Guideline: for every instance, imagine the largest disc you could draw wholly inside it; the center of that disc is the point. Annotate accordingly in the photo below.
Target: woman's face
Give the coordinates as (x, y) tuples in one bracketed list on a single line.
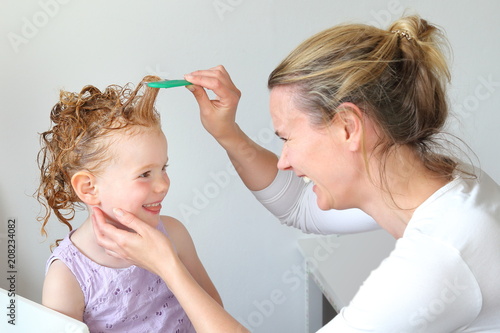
[(318, 153)]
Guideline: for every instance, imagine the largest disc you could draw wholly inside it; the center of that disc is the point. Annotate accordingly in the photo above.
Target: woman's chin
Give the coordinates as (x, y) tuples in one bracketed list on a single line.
[(323, 204)]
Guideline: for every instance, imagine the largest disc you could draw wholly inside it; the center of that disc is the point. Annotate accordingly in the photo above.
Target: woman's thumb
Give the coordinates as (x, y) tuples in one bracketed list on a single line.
[(201, 96), (124, 217)]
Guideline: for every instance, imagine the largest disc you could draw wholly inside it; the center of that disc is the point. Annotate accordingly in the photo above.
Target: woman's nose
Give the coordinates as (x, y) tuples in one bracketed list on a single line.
[(283, 163)]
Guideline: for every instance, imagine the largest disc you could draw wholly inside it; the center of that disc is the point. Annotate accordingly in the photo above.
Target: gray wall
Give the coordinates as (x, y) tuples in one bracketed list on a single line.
[(47, 45)]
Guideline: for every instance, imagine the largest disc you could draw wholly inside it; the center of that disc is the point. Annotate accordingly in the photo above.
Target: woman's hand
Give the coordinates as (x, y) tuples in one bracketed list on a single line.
[(134, 247), (217, 115), (255, 165), (148, 248)]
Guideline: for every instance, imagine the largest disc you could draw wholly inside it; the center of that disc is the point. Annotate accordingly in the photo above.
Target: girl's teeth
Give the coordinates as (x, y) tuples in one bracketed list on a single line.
[(152, 205), (306, 180)]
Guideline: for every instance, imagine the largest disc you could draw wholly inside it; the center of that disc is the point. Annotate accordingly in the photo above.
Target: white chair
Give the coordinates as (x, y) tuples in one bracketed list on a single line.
[(33, 317)]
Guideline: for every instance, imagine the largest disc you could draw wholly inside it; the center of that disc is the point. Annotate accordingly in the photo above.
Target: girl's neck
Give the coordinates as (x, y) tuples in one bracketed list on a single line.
[(84, 239)]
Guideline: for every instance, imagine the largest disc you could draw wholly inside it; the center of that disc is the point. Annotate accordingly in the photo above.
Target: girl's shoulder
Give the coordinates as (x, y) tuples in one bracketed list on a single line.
[(171, 224), (175, 230), (62, 292)]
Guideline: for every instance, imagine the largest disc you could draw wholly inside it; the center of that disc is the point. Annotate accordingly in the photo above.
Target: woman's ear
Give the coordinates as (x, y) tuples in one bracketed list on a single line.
[(83, 183), (350, 119)]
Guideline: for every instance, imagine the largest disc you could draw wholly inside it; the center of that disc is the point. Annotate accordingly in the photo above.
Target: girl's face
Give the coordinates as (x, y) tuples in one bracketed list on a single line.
[(312, 152), (135, 179)]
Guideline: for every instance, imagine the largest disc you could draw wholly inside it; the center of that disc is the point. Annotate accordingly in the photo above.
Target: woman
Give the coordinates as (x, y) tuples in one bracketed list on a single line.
[(360, 111)]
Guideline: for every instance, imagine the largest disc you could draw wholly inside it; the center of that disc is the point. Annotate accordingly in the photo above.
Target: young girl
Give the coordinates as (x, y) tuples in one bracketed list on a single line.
[(107, 150)]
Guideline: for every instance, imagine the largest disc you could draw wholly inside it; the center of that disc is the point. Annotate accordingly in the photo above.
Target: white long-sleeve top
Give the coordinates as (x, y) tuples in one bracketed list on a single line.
[(444, 273), (293, 202)]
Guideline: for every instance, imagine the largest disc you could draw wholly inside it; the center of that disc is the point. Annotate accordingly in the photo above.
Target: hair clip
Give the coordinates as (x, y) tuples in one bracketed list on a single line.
[(402, 34)]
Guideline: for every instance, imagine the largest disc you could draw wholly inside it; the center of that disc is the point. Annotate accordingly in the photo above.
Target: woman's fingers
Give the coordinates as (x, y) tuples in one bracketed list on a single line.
[(201, 97), (217, 115), (114, 240), (101, 228), (129, 220), (216, 79), (141, 246)]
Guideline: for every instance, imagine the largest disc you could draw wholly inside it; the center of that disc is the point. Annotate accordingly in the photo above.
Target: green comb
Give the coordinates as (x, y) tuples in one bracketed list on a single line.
[(168, 83)]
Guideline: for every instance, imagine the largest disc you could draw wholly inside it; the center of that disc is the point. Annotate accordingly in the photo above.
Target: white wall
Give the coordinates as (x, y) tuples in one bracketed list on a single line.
[(47, 45)]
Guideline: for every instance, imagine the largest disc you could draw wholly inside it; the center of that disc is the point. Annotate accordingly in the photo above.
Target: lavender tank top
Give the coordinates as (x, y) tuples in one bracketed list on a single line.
[(122, 300)]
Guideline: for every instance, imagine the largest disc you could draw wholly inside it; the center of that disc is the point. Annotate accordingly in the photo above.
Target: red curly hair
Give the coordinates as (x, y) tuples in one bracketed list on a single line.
[(78, 140)]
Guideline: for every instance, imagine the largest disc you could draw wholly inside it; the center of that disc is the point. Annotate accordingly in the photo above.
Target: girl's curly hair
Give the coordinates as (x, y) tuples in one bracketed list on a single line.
[(78, 139)]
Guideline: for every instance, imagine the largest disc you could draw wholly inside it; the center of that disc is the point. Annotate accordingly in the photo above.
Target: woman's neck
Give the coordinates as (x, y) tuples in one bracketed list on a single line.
[(406, 184)]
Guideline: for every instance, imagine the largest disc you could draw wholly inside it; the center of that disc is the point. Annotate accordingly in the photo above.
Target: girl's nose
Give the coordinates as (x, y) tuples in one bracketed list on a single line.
[(163, 184)]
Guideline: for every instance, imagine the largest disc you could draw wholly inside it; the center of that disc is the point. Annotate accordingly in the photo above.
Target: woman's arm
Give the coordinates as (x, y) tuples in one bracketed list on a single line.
[(186, 251), (256, 166), (206, 314), (283, 195)]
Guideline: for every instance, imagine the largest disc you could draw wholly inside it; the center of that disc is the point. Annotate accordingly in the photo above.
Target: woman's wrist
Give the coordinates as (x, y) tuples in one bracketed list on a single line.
[(231, 138), (170, 268)]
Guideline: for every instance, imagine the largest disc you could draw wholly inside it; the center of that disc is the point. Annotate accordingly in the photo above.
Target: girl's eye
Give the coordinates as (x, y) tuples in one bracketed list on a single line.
[(164, 167), (145, 174)]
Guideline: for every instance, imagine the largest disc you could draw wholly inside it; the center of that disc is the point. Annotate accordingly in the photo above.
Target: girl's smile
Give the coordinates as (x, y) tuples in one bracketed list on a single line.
[(154, 208)]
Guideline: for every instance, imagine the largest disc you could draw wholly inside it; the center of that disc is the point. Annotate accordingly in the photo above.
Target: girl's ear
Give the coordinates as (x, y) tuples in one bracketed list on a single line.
[(83, 183), (350, 118)]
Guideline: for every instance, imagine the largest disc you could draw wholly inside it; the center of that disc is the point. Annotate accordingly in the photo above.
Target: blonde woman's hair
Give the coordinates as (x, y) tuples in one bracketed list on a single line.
[(79, 139), (397, 77)]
